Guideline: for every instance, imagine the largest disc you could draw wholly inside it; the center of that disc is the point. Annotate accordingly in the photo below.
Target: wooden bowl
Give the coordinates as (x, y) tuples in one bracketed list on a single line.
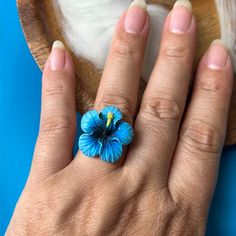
[(38, 19)]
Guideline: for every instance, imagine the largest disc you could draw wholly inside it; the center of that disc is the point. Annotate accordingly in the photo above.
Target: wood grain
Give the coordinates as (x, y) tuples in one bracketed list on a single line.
[(41, 29)]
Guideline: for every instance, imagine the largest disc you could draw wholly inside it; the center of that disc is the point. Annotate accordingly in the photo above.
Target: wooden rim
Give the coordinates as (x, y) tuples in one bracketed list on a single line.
[(40, 35)]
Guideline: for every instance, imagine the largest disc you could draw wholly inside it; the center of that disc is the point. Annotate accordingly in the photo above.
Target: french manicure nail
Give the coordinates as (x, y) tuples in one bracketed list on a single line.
[(136, 17), (181, 17), (57, 58), (217, 55)]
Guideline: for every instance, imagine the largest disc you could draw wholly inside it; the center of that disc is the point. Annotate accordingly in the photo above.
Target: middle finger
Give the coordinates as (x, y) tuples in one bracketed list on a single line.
[(158, 121), (120, 81)]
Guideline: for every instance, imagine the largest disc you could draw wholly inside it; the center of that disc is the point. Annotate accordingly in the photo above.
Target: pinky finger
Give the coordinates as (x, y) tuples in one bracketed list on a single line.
[(195, 164)]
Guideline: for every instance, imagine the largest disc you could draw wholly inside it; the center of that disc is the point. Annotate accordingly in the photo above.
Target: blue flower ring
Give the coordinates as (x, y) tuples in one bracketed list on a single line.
[(105, 134)]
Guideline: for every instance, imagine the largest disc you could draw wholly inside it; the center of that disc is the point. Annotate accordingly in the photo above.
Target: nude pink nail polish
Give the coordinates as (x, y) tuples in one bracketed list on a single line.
[(181, 17), (217, 55), (135, 17)]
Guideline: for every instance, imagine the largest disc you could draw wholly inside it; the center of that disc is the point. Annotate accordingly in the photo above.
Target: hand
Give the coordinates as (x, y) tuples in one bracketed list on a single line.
[(164, 183)]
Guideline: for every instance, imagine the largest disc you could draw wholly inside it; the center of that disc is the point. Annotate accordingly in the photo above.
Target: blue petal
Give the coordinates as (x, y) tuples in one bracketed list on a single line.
[(91, 122), (89, 145), (116, 112), (124, 133), (111, 150)]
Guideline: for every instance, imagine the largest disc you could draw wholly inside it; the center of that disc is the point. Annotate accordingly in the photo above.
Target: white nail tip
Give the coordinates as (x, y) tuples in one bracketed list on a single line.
[(183, 3), (58, 44), (139, 3), (219, 41)]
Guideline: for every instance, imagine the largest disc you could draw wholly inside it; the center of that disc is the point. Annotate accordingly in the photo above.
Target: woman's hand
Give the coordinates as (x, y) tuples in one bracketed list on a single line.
[(165, 181)]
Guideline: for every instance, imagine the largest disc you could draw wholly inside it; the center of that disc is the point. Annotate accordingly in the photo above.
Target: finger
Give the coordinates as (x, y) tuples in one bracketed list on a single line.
[(53, 150), (196, 160), (120, 81), (157, 124)]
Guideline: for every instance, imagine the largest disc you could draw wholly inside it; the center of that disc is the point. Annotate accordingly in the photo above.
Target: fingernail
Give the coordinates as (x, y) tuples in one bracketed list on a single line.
[(57, 58), (136, 17), (217, 55), (181, 17)]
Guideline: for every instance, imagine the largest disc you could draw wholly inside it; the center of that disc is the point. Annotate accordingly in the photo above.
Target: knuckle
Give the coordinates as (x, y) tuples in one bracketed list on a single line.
[(202, 137), (162, 109), (124, 50), (133, 180), (120, 100), (176, 51), (56, 124), (188, 205), (54, 88), (211, 82)]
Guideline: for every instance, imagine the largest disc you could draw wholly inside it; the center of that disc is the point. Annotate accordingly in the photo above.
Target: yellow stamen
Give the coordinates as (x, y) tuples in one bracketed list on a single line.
[(110, 117)]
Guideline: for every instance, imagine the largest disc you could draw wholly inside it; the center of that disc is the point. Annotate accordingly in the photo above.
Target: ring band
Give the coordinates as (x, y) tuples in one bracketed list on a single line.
[(105, 134)]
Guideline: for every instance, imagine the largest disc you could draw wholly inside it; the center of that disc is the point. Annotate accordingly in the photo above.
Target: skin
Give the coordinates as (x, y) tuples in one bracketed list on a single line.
[(164, 183)]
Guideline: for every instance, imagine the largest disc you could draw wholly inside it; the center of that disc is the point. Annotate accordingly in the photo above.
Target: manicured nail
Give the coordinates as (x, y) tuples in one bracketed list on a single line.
[(217, 55), (58, 56), (181, 17), (136, 17)]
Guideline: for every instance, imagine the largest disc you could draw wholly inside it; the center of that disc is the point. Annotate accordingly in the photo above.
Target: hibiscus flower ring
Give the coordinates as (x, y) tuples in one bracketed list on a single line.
[(105, 134)]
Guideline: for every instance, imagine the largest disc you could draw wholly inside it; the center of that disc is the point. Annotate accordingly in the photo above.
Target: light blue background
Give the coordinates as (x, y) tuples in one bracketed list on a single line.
[(20, 87)]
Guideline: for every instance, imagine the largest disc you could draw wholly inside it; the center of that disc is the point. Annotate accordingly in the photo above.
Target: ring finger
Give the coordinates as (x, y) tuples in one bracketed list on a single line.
[(120, 81)]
